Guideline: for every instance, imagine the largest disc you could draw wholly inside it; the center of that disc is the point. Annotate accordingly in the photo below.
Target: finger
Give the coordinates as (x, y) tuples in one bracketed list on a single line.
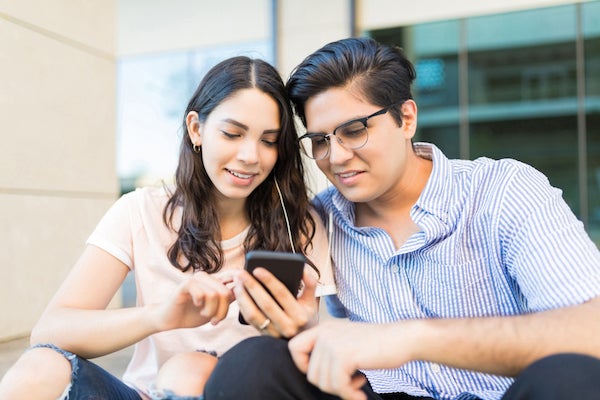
[(357, 381), (282, 308), (252, 314), (277, 289), (309, 279), (209, 295), (225, 277), (301, 347), (219, 295)]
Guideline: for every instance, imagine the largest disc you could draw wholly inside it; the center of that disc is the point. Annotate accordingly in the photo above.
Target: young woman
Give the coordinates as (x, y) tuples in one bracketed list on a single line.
[(239, 186)]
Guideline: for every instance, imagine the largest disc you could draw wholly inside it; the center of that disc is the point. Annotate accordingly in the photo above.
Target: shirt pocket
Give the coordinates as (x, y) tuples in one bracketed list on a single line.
[(468, 289)]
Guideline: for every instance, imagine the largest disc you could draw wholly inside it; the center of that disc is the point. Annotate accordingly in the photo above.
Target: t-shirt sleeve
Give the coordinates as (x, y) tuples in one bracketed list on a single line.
[(318, 253), (114, 232)]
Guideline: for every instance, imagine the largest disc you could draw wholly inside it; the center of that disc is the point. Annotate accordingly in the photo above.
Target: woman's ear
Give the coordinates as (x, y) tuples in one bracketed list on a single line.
[(194, 128), (409, 118)]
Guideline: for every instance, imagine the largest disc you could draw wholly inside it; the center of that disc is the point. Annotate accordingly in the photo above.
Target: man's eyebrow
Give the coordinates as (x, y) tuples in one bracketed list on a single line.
[(245, 127), (343, 123)]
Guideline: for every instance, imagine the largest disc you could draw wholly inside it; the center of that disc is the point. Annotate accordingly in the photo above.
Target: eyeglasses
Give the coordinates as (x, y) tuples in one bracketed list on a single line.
[(352, 135)]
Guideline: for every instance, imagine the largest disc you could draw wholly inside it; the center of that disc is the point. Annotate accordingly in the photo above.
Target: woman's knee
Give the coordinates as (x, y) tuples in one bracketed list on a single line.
[(39, 373)]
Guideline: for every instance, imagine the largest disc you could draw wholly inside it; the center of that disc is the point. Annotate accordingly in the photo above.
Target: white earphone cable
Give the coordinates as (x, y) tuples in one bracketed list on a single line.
[(287, 221)]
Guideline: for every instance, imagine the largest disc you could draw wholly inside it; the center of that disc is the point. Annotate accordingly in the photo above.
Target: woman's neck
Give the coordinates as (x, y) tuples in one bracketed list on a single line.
[(233, 218)]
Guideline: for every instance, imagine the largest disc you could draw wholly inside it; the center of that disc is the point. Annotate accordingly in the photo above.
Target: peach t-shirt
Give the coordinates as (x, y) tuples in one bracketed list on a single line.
[(134, 232)]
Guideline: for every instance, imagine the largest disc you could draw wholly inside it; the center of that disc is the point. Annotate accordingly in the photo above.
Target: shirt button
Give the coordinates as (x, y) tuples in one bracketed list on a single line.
[(435, 368), (396, 269)]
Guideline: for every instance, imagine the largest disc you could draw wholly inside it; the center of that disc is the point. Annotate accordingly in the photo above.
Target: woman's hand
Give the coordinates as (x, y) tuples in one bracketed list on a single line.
[(259, 309), (200, 299)]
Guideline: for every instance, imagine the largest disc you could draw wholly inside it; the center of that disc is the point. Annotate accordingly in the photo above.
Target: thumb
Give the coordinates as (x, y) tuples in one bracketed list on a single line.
[(310, 283), (301, 346)]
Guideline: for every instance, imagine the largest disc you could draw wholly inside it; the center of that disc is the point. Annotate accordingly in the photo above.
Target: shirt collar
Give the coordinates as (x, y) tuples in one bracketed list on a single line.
[(436, 196), (434, 200)]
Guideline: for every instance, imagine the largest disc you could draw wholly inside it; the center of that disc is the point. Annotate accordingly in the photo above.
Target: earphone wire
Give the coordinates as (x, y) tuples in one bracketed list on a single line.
[(287, 221)]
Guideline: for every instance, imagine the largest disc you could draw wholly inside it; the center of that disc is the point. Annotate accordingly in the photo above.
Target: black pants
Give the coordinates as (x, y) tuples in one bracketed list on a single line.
[(261, 368)]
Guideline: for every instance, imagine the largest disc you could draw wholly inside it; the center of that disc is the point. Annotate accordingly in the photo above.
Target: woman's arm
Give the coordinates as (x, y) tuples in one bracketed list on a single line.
[(77, 319)]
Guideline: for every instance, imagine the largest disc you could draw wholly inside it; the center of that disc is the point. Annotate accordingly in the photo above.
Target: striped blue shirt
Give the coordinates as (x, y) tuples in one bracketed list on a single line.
[(496, 239)]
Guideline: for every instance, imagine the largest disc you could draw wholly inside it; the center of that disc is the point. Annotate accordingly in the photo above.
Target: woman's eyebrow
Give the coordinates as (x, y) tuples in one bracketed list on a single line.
[(268, 131), (236, 123), (245, 127)]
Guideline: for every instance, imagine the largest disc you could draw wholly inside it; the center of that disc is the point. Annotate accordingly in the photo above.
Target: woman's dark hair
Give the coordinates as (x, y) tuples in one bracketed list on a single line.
[(381, 73), (198, 237)]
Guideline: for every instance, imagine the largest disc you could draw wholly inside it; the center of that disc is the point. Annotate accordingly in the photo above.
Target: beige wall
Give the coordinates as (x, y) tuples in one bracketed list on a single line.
[(305, 26), (149, 26), (57, 158)]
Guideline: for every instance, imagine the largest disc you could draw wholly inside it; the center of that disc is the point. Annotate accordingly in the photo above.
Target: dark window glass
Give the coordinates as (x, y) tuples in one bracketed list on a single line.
[(591, 31), (548, 144), (520, 99)]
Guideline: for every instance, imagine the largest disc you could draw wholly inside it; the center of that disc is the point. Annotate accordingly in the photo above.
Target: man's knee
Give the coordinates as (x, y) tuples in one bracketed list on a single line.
[(257, 352), (253, 367), (40, 371), (557, 377)]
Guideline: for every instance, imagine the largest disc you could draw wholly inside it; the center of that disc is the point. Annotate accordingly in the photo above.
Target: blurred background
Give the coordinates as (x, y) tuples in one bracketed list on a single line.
[(92, 94)]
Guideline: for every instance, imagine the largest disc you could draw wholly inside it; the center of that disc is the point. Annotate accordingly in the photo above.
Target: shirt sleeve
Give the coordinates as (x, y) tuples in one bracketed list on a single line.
[(114, 232), (546, 248)]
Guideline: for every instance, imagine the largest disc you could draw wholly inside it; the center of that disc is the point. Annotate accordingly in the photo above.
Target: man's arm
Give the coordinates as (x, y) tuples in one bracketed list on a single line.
[(330, 353)]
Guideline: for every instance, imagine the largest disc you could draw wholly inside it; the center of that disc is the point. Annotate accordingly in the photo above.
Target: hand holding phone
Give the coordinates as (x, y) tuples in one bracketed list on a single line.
[(287, 267)]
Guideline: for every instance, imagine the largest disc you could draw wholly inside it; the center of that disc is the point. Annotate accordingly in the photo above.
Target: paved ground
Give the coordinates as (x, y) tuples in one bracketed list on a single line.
[(115, 363)]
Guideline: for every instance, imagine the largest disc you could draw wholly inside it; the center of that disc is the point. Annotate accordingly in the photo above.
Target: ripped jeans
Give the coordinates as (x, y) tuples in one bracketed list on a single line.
[(92, 382)]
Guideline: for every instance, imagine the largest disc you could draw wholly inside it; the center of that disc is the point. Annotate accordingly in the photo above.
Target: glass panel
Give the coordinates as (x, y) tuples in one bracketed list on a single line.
[(444, 137), (548, 144), (152, 94), (521, 29), (433, 49), (526, 56), (524, 74), (591, 31), (593, 157), (523, 92)]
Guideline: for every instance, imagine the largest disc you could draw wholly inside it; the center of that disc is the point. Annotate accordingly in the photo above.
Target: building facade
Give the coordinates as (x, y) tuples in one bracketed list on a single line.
[(501, 78)]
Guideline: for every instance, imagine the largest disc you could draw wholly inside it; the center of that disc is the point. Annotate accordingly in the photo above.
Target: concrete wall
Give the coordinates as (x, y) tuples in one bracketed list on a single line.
[(150, 26), (57, 158)]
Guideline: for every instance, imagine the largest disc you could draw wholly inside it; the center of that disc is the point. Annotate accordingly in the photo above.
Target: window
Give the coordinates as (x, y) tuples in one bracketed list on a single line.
[(522, 85)]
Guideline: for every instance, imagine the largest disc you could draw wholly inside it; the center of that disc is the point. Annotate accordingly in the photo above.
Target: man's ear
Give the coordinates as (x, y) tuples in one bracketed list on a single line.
[(194, 128), (409, 118)]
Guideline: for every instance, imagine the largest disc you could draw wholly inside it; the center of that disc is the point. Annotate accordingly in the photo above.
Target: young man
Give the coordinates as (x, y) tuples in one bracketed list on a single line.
[(457, 276)]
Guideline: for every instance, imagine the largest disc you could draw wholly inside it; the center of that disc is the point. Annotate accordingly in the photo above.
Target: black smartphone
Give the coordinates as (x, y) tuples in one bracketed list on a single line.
[(287, 267)]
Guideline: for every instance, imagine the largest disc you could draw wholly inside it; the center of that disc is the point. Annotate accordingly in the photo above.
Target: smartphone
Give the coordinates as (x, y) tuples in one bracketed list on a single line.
[(287, 267)]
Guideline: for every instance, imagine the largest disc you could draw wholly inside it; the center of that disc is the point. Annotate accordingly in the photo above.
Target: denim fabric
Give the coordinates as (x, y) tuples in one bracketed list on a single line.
[(91, 382), (169, 395)]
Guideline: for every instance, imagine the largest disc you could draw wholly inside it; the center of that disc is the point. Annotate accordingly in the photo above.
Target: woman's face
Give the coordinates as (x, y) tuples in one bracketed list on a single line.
[(239, 142)]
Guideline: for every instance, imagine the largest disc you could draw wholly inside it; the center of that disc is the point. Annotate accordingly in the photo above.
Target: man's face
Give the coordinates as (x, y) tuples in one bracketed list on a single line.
[(377, 168)]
